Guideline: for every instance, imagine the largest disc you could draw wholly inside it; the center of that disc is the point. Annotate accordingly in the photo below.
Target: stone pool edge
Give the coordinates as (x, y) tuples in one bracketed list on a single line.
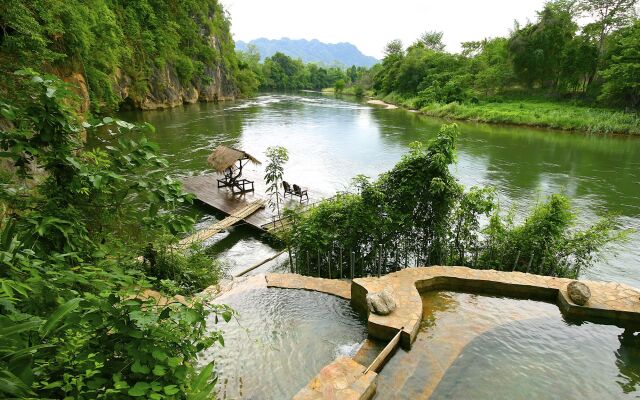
[(609, 303)]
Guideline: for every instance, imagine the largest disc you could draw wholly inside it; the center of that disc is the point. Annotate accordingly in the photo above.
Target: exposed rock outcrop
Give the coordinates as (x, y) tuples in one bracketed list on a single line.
[(165, 90), (79, 87)]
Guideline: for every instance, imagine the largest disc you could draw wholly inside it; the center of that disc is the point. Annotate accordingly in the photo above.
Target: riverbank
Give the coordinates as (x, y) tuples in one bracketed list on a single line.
[(534, 113)]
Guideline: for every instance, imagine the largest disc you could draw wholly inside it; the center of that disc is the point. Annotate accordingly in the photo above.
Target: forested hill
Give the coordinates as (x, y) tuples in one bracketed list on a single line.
[(311, 51), (144, 53)]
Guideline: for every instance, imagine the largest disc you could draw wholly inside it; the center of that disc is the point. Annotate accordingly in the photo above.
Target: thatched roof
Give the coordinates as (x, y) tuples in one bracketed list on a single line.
[(224, 157)]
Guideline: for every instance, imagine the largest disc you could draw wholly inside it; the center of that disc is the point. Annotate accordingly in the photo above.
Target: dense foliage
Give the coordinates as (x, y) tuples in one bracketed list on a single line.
[(281, 72), (418, 214), (107, 40), (78, 318), (553, 56)]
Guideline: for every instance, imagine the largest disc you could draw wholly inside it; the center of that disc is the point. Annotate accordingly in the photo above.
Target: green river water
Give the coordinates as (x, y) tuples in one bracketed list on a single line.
[(331, 140)]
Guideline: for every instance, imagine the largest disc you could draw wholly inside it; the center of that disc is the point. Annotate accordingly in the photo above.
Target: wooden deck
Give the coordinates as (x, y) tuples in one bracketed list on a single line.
[(205, 188), (235, 217)]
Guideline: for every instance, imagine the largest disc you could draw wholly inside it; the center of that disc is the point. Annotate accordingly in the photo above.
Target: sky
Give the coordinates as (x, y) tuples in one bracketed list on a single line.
[(371, 24)]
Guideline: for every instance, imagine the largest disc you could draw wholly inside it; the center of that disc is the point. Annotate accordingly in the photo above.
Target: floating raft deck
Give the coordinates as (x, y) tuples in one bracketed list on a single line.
[(205, 188)]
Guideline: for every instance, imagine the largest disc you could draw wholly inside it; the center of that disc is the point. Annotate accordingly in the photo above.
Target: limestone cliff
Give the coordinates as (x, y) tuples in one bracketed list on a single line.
[(165, 90), (146, 54)]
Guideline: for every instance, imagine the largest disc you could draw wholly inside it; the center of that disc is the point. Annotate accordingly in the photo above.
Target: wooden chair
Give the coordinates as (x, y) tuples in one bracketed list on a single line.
[(300, 192), (287, 189)]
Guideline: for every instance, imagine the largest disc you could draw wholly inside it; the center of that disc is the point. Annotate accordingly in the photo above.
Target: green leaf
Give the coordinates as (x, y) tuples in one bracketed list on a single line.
[(139, 368), (59, 315), (18, 328), (192, 316), (160, 355), (226, 315), (139, 389), (174, 361), (8, 113), (203, 377), (12, 385), (170, 390), (159, 370)]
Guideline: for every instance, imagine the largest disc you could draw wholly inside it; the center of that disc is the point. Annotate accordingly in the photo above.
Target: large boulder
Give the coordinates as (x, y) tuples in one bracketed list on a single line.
[(578, 292), (381, 303)]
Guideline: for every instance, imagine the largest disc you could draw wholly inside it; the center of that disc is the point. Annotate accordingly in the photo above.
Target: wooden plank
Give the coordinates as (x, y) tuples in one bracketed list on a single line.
[(260, 263), (206, 190), (235, 217), (382, 357)]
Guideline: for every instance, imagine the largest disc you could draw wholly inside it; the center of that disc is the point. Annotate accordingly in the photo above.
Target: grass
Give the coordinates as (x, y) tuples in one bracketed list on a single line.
[(532, 112), (350, 91)]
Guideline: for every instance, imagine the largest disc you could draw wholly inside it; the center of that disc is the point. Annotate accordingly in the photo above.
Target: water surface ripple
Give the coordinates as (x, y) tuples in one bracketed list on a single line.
[(331, 140)]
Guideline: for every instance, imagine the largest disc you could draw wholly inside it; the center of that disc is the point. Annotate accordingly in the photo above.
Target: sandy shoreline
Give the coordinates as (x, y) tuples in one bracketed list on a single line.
[(382, 103)]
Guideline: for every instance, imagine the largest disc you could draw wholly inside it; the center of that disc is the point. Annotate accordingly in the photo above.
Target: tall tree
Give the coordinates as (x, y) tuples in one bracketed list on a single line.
[(432, 40), (608, 14), (622, 74), (537, 49), (394, 48), (384, 80)]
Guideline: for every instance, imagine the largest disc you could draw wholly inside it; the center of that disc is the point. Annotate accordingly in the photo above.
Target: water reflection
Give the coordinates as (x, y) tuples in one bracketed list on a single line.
[(628, 360), (331, 140)]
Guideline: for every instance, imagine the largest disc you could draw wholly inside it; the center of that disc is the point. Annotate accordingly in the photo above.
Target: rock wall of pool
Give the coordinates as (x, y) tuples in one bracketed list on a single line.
[(477, 334), (460, 342)]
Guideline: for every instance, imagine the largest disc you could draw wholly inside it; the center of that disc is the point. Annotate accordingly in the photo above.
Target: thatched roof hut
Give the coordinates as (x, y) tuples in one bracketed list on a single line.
[(224, 157)]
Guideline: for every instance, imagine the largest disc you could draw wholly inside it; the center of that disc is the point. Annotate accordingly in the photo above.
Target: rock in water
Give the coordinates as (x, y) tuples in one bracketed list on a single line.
[(381, 303), (579, 293)]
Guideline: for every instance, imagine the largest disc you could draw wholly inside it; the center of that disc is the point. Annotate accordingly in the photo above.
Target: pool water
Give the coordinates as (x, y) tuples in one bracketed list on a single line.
[(480, 347), (280, 340)]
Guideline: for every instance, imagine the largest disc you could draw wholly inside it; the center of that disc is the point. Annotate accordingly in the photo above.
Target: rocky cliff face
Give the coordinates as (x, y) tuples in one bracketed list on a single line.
[(164, 89), (145, 54)]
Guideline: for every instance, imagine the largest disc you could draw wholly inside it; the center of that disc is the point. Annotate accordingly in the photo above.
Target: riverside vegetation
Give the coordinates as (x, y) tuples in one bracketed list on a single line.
[(76, 320), (551, 72), (418, 214), (143, 54)]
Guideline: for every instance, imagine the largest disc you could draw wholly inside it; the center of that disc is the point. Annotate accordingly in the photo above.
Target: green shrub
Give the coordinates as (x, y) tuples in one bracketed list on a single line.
[(190, 271), (185, 69), (358, 91), (418, 213), (76, 318)]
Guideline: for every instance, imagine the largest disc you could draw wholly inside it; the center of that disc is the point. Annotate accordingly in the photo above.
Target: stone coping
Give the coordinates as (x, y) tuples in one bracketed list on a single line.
[(343, 379), (336, 287), (609, 302)]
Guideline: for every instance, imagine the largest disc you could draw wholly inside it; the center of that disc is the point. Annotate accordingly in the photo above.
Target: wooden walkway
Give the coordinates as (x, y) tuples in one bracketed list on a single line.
[(206, 191), (235, 217)]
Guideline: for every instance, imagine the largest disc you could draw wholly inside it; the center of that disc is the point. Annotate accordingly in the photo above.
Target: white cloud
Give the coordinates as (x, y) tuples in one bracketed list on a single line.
[(371, 24)]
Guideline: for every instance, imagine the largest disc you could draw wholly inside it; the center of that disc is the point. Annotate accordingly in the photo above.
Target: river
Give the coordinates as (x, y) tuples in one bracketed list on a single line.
[(331, 140)]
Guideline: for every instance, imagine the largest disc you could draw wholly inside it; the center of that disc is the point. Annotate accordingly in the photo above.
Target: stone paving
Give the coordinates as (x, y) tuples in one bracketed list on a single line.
[(343, 379), (609, 303), (336, 287)]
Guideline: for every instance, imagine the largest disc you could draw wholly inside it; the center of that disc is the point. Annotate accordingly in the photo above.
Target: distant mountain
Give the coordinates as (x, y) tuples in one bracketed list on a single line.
[(344, 54)]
